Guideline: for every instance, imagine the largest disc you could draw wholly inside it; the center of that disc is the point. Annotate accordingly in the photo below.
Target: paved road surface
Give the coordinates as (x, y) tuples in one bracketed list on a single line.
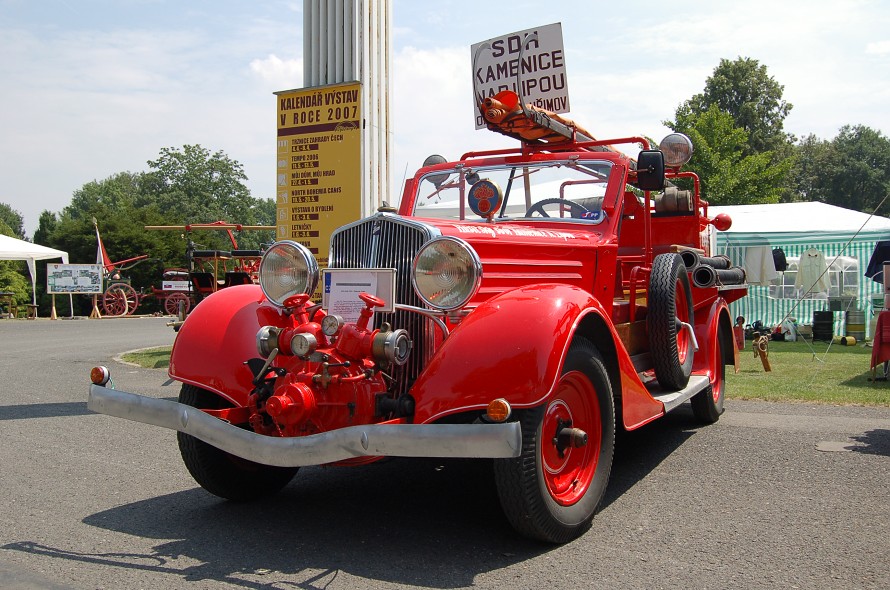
[(773, 496)]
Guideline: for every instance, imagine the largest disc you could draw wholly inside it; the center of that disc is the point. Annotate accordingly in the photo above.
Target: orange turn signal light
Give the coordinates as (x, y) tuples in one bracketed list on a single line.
[(498, 410), (99, 375)]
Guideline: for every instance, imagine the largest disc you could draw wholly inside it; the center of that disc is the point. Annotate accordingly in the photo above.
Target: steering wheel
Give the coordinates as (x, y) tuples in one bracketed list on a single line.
[(575, 209)]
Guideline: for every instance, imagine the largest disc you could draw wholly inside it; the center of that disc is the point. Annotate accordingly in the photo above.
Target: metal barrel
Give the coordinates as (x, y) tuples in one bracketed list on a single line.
[(856, 324)]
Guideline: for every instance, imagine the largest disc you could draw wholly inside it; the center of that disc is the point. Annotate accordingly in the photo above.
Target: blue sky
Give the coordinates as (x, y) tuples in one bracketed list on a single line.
[(92, 88)]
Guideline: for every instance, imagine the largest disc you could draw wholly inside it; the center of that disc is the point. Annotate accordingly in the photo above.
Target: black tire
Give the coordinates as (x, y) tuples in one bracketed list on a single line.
[(532, 487), (220, 473), (670, 303), (707, 405)]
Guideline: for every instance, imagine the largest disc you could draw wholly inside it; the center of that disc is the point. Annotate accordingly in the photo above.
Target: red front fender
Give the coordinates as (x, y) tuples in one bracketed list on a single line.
[(216, 339), (511, 346)]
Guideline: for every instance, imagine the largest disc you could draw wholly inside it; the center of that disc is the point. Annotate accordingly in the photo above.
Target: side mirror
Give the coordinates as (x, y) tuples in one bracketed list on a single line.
[(650, 170)]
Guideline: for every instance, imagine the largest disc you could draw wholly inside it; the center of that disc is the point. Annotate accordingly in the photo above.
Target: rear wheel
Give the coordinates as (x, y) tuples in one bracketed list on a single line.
[(220, 473), (708, 404), (670, 307), (120, 299), (173, 301), (552, 490)]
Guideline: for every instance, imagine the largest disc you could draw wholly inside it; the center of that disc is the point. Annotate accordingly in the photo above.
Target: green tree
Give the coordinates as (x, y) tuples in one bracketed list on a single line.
[(193, 185), (813, 158), (188, 185), (13, 220), (729, 176), (199, 187), (13, 273), (852, 170), (744, 89)]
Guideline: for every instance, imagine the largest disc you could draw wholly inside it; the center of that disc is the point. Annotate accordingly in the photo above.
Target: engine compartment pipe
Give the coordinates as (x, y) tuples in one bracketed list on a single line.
[(718, 262), (692, 260), (705, 276)]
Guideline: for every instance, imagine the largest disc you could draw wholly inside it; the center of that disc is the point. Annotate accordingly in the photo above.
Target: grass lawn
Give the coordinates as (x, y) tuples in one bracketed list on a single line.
[(801, 371), (808, 372), (150, 358)]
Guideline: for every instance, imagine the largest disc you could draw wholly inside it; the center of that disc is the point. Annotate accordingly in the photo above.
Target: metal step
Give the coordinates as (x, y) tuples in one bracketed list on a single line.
[(672, 399)]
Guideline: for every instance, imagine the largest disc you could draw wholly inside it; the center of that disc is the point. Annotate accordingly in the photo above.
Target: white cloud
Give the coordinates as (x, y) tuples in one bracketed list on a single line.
[(282, 74), (878, 48)]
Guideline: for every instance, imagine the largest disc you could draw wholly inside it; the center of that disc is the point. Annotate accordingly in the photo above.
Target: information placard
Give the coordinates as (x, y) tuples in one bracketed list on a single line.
[(74, 278), (342, 287), (318, 164), (541, 72)]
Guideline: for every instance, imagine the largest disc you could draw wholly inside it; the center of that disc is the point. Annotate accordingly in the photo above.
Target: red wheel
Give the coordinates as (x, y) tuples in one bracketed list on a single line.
[(569, 471), (171, 303), (552, 490), (120, 299), (707, 405)]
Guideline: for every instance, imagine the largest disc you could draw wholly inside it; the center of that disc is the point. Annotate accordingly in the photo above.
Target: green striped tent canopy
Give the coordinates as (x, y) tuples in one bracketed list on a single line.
[(847, 238)]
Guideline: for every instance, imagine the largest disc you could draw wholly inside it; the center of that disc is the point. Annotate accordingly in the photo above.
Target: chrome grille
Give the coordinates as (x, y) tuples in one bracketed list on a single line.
[(388, 241)]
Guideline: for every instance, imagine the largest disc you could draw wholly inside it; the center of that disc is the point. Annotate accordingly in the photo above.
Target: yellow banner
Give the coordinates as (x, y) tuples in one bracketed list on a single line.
[(319, 164)]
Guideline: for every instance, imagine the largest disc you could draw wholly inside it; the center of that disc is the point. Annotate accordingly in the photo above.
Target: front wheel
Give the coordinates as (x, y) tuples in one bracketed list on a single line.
[(552, 490), (220, 473)]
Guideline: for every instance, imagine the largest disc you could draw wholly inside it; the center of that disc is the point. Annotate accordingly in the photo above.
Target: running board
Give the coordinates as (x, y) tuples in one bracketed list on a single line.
[(672, 399)]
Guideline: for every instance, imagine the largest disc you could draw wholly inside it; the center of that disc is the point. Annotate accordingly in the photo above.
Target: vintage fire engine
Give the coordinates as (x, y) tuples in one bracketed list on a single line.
[(528, 303)]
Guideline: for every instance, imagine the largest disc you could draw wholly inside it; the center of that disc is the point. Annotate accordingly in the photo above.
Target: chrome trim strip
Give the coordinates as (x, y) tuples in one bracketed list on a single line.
[(394, 440)]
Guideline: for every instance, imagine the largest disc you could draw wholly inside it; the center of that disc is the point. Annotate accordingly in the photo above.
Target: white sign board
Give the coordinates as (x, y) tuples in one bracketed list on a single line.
[(541, 74), (175, 285), (342, 287), (74, 278)]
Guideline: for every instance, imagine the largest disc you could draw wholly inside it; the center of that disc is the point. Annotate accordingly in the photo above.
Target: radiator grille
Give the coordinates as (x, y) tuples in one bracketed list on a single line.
[(386, 241)]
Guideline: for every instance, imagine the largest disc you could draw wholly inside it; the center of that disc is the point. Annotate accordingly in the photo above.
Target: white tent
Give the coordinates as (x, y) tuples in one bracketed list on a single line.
[(13, 249)]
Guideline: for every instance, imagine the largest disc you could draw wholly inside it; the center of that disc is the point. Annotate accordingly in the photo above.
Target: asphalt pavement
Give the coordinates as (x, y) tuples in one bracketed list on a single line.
[(772, 496)]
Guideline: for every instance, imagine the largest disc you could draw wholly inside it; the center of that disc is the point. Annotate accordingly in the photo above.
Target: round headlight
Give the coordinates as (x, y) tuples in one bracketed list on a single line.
[(677, 149), (287, 269), (447, 273)]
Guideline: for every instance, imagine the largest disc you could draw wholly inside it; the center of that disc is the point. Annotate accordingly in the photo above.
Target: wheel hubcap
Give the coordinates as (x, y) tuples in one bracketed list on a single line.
[(572, 434)]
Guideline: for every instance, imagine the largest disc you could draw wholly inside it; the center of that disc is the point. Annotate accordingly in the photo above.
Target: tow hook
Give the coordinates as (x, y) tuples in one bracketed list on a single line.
[(568, 437)]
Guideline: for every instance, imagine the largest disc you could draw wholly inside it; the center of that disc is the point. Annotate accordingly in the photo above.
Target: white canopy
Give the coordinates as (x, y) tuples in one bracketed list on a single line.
[(13, 249), (777, 223)]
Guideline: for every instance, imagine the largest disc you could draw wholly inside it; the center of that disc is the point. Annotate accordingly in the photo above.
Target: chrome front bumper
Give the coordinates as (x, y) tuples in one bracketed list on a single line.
[(394, 440)]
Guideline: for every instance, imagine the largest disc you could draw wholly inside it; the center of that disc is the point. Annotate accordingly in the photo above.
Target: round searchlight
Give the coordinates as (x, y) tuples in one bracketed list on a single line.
[(677, 149), (447, 273), (287, 269)]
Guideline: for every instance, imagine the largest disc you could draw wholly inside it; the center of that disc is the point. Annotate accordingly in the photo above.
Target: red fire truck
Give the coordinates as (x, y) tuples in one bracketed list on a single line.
[(519, 305)]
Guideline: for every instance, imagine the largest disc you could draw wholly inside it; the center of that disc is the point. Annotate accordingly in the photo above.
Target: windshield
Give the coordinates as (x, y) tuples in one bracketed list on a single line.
[(537, 190)]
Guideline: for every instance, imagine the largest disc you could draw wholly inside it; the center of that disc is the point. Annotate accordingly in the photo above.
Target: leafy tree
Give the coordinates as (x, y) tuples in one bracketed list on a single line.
[(46, 225), (199, 187), (745, 90), (813, 157), (191, 185), (852, 170), (13, 220), (188, 185), (729, 176), (13, 273)]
